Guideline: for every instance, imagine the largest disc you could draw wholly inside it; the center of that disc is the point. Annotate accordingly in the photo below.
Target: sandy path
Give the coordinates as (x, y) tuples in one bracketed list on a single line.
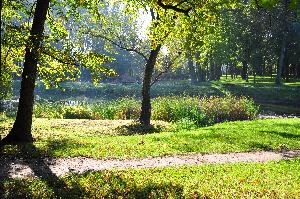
[(21, 168)]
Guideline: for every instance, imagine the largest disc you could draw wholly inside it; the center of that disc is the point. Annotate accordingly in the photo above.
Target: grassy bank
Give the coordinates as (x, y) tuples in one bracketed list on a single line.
[(113, 139), (269, 180)]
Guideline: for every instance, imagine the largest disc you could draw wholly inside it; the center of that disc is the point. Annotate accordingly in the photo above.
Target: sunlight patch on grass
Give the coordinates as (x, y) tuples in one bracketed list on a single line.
[(103, 139), (240, 180)]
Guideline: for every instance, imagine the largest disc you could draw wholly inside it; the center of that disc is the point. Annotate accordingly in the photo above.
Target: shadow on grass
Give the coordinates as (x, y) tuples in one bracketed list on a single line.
[(89, 185), (283, 134), (262, 146), (31, 157), (139, 129)]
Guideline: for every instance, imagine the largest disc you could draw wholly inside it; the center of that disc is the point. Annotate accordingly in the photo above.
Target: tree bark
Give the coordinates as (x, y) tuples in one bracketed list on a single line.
[(218, 71), (191, 67), (280, 65), (146, 101), (201, 73), (21, 131), (211, 70), (244, 73), (298, 70)]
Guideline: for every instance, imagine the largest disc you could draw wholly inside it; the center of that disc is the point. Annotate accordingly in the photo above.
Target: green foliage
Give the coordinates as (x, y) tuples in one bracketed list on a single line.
[(241, 180), (229, 108), (124, 108), (201, 112), (204, 111), (63, 51), (77, 112), (173, 109)]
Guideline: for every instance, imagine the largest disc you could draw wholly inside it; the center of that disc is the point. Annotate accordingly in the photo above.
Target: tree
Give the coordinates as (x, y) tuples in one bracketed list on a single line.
[(21, 131), (54, 55), (126, 38)]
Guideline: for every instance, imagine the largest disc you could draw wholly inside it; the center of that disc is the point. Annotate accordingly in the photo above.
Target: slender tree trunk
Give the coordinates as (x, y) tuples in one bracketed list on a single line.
[(218, 71), (271, 71), (287, 72), (146, 101), (297, 70), (280, 65), (191, 67), (1, 83), (226, 70), (201, 73), (264, 68), (244, 73), (21, 131), (212, 71)]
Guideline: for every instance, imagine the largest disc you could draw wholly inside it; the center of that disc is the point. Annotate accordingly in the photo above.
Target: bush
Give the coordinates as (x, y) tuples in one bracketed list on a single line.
[(205, 111), (173, 109), (187, 110), (228, 108), (77, 112), (124, 109), (48, 110)]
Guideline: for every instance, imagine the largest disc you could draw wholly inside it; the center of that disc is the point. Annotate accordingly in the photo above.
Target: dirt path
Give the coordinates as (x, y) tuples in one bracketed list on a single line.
[(20, 168)]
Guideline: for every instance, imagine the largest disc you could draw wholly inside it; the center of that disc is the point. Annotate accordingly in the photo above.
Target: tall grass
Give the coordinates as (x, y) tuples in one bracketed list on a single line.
[(199, 111)]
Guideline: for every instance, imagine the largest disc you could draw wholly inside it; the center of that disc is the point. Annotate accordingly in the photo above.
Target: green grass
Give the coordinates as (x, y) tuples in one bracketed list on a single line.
[(244, 180), (111, 139)]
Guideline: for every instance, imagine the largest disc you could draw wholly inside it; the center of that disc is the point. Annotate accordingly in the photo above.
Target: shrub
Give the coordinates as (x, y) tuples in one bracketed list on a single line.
[(48, 110), (205, 111), (125, 108), (78, 112), (228, 108), (173, 109), (185, 110)]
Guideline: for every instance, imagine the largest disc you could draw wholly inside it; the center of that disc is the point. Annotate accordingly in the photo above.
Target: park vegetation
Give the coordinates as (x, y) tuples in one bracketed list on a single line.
[(136, 79)]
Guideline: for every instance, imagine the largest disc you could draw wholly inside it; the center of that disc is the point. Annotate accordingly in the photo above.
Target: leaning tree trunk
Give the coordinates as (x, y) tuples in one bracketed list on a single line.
[(146, 103), (21, 131)]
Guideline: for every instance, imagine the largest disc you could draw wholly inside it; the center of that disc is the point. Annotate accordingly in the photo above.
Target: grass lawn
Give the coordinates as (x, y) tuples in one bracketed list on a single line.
[(244, 180), (111, 139)]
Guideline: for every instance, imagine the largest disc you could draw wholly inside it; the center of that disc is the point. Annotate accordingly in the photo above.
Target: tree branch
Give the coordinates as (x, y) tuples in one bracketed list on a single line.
[(120, 45), (62, 61), (166, 70), (175, 7)]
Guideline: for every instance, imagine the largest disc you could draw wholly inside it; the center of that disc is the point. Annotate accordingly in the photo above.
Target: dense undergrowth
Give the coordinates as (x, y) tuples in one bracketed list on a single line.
[(202, 112)]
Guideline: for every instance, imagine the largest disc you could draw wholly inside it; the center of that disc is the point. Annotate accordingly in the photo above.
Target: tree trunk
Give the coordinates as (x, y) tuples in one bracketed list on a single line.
[(191, 68), (21, 131), (212, 71), (146, 101), (201, 73), (298, 70), (226, 70), (287, 72), (264, 68), (280, 65), (244, 73), (218, 71)]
